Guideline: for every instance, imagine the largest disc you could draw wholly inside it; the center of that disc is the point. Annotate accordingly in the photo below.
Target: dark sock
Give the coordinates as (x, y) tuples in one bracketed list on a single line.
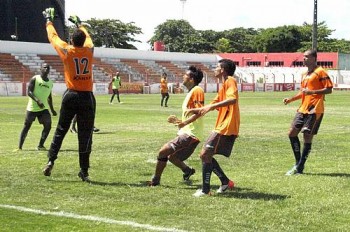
[(304, 156), (219, 172), (207, 169), (186, 170), (295, 142)]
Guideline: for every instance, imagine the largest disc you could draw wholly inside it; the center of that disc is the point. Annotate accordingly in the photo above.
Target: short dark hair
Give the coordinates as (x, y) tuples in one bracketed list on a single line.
[(78, 38), (313, 52), (196, 74), (228, 65)]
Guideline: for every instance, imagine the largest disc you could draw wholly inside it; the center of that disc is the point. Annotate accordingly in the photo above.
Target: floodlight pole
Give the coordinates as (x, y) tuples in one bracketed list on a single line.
[(183, 7), (314, 28)]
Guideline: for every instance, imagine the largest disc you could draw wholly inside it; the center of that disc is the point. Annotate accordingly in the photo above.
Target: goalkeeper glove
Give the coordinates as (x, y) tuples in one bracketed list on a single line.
[(75, 19), (49, 14)]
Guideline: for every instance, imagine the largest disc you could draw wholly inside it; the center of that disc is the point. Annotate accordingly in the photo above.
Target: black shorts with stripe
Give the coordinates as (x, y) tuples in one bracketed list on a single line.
[(220, 144), (310, 121)]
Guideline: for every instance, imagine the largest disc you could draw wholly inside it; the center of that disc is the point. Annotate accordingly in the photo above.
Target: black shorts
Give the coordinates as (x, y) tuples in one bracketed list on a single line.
[(311, 121), (43, 116), (220, 144), (183, 146)]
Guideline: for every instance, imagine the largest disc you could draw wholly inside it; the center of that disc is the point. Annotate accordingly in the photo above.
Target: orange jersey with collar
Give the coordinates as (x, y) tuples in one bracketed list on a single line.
[(228, 120), (77, 61), (314, 103), (163, 86)]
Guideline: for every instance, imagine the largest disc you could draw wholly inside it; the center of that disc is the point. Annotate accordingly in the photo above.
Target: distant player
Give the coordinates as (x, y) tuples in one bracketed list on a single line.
[(116, 84), (40, 99), (315, 84), (190, 129), (164, 91)]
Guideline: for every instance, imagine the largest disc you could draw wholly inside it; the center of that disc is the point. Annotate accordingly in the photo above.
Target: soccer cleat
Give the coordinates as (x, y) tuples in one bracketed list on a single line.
[(96, 130), (200, 193), (84, 176), (41, 148), (75, 19), (49, 14), (17, 150), (186, 176), (224, 187), (47, 170), (294, 171), (154, 182)]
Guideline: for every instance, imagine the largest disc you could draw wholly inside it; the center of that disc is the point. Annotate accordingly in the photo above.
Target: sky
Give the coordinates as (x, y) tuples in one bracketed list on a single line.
[(217, 15)]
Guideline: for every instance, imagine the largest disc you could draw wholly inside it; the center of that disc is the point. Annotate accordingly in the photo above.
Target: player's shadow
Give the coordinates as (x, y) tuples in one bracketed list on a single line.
[(105, 133), (141, 184), (347, 175), (242, 193)]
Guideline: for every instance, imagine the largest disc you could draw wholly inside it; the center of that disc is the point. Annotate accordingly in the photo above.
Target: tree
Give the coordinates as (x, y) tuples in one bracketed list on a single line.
[(323, 40), (223, 46), (112, 33), (241, 39), (279, 39), (177, 35)]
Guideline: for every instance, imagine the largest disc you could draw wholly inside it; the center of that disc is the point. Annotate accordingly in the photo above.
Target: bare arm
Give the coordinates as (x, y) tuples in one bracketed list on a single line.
[(204, 110), (49, 100), (318, 91), (31, 94), (189, 120), (294, 98)]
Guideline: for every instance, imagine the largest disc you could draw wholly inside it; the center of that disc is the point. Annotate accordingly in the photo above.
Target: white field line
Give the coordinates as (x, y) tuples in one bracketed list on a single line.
[(91, 218)]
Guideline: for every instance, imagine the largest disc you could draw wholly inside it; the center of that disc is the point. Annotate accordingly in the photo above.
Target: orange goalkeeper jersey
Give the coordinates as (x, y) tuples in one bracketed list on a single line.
[(228, 120), (77, 61), (314, 103)]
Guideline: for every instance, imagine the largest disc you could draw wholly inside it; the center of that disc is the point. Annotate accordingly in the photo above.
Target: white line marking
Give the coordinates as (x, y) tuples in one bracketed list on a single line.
[(91, 218)]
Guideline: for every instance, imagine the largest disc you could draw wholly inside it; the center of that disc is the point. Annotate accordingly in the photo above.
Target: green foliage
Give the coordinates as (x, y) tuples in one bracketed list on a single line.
[(112, 33), (180, 36), (123, 157), (280, 39)]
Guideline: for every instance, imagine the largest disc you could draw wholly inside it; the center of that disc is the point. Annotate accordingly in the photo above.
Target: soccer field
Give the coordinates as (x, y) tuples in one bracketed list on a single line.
[(124, 156)]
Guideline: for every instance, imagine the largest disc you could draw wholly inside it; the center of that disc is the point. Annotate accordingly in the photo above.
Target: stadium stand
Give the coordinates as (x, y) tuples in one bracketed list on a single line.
[(19, 61)]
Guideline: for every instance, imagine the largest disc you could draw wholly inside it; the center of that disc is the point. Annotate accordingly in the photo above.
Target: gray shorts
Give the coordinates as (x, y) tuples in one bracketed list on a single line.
[(183, 146)]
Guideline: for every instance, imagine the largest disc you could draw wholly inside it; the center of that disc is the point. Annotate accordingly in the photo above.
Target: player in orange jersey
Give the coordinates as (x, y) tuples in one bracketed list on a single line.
[(190, 130), (315, 83), (164, 90), (222, 138), (78, 99)]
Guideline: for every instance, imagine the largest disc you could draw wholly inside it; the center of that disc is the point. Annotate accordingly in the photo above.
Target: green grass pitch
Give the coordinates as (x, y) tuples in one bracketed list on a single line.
[(123, 159)]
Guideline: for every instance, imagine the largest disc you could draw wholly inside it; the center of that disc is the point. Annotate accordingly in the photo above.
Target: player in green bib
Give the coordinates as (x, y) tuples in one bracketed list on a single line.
[(116, 84), (40, 100), (190, 130)]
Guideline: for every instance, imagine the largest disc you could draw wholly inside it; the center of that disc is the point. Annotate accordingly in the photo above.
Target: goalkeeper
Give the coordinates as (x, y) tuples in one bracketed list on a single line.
[(78, 99), (190, 130)]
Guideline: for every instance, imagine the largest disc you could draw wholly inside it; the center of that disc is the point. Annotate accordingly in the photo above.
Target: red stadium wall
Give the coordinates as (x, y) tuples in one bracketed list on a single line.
[(267, 59)]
